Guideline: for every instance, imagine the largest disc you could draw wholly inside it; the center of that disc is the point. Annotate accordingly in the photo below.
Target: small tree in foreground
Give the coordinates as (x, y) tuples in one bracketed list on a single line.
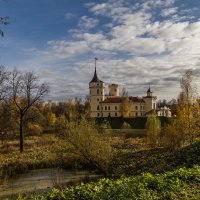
[(90, 144), (153, 129)]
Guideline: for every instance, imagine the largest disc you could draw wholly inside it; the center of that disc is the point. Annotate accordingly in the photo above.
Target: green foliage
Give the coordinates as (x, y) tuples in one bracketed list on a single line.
[(125, 125), (171, 185), (135, 123), (89, 141), (153, 128)]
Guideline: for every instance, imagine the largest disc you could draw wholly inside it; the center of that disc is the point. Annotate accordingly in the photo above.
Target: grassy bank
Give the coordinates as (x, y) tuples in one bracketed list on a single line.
[(41, 152), (179, 184), (155, 160)]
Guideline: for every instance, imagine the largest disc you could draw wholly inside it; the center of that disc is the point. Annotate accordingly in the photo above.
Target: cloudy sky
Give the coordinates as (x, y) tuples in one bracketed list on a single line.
[(137, 43)]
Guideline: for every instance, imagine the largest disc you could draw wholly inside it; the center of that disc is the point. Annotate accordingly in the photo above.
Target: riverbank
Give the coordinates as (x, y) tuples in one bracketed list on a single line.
[(43, 180)]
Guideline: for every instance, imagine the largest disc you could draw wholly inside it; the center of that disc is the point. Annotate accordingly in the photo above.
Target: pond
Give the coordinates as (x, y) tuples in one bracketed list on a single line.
[(38, 181)]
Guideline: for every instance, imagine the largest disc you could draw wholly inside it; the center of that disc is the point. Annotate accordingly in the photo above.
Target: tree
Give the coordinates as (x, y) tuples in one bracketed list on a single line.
[(188, 107), (125, 107), (25, 93), (4, 21), (4, 75), (185, 126), (153, 129), (89, 143)]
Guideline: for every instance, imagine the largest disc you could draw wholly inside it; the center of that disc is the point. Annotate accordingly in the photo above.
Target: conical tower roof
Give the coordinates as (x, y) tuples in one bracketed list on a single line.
[(95, 77)]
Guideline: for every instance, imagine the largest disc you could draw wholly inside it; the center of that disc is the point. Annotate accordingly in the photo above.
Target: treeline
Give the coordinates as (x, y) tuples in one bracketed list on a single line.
[(185, 127), (23, 110)]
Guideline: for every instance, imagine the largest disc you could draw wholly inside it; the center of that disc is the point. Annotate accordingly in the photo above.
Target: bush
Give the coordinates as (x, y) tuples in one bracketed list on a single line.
[(171, 185)]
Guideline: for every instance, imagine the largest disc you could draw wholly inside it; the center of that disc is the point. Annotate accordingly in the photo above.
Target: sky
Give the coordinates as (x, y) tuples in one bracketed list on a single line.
[(137, 42)]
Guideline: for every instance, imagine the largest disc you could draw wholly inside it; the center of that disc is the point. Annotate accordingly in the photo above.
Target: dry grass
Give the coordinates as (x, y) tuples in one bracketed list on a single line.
[(40, 152)]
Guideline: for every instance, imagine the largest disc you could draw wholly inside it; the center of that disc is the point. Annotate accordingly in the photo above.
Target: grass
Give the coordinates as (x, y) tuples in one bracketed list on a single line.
[(40, 152), (129, 133), (132, 158), (155, 160), (179, 184)]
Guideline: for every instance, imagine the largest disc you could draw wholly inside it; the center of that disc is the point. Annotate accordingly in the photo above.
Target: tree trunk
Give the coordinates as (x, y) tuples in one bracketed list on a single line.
[(21, 134)]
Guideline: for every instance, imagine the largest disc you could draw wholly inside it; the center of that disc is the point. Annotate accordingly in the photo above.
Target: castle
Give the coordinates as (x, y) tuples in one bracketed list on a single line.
[(112, 105)]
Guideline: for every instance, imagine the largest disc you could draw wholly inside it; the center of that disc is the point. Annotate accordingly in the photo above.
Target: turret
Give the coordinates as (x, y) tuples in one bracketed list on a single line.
[(150, 101), (97, 94), (113, 90)]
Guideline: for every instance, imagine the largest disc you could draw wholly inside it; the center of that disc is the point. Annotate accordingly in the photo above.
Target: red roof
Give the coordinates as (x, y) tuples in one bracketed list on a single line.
[(119, 99)]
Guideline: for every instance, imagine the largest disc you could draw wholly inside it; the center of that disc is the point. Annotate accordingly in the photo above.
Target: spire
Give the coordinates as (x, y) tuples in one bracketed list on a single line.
[(95, 77), (149, 90)]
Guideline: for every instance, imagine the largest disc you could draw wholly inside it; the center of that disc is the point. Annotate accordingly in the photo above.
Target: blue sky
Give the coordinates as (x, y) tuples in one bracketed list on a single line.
[(137, 42)]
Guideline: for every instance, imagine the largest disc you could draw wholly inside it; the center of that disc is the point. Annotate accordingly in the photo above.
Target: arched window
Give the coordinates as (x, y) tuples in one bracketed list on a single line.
[(97, 91), (97, 107)]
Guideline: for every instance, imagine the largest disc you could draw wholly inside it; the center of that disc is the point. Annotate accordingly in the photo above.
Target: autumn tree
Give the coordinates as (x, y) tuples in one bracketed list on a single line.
[(125, 105), (153, 129), (185, 126), (25, 92), (93, 146), (188, 108)]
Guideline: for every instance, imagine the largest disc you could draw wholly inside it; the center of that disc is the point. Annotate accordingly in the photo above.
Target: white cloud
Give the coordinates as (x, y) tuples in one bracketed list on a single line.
[(169, 11), (136, 49), (87, 23), (69, 15)]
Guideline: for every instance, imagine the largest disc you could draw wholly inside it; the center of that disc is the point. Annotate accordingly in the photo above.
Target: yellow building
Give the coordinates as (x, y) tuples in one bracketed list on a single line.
[(111, 105)]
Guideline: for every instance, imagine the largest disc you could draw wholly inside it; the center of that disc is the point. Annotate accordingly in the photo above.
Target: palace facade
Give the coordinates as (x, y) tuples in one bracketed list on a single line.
[(111, 105)]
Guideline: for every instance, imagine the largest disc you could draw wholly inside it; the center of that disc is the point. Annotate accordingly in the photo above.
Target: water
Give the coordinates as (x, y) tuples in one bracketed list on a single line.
[(37, 181)]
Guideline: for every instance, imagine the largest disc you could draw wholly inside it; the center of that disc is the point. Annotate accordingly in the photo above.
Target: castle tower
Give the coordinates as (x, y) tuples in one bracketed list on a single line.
[(150, 101), (113, 90), (97, 94)]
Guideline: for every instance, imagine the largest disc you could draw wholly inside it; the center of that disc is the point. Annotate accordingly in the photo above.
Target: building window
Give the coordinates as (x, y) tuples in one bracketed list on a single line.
[(98, 114), (109, 115), (97, 107), (136, 114), (115, 107), (135, 107), (106, 108), (97, 91), (97, 99), (115, 114)]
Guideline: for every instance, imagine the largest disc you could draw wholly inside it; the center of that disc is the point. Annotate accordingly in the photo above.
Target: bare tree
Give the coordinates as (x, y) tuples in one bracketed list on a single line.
[(3, 82), (25, 92), (5, 21)]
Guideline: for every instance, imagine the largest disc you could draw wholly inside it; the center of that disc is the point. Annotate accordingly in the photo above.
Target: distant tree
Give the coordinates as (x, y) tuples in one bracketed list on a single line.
[(125, 107), (188, 108), (126, 125), (4, 75), (185, 127), (153, 129), (124, 92), (25, 92)]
